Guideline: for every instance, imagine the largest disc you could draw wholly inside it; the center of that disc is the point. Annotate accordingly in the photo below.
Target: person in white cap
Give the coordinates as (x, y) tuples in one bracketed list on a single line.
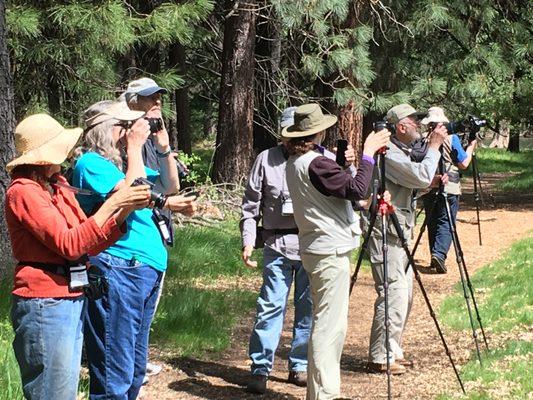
[(455, 158), (328, 231), (403, 177), (145, 95), (50, 238)]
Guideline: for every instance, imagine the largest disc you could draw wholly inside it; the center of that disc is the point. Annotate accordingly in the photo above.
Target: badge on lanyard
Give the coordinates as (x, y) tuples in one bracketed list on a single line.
[(78, 278)]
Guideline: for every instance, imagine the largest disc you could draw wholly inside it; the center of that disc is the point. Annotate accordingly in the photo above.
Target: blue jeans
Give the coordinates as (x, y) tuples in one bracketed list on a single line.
[(117, 327), (47, 345), (278, 274), (440, 237)]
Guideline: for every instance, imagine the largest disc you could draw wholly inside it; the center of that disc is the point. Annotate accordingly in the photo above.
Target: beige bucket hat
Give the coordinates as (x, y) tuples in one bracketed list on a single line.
[(435, 114), (41, 140), (308, 120), (111, 110)]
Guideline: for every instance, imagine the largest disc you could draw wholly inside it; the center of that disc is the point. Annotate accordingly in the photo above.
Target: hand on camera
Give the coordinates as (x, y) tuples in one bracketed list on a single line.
[(437, 179), (375, 141), (185, 205), (138, 133), (246, 254), (131, 197), (161, 139), (437, 136)]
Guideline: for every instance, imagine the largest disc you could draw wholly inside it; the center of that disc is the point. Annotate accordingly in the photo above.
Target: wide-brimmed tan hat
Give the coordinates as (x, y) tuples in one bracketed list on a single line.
[(435, 114), (41, 140), (308, 120), (113, 110)]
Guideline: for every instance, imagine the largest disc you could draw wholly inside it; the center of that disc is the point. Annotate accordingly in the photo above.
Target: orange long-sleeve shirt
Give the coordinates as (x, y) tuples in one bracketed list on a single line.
[(50, 228)]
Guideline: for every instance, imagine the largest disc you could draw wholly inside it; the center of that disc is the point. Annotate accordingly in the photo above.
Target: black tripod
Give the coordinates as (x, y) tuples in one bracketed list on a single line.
[(463, 271), (384, 210)]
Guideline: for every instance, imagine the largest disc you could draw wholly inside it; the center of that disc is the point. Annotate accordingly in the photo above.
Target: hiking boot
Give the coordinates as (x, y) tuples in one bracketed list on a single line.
[(395, 368), (257, 384), (405, 362), (438, 264), (298, 378)]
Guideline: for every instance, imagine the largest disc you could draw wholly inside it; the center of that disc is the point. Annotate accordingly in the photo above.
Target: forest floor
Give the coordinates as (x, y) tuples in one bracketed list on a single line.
[(224, 376)]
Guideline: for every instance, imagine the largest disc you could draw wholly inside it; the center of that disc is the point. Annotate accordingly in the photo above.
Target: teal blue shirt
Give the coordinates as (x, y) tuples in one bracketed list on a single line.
[(142, 240)]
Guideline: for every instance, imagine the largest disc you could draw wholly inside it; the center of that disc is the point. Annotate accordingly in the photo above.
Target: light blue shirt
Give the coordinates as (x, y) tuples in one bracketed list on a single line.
[(142, 241)]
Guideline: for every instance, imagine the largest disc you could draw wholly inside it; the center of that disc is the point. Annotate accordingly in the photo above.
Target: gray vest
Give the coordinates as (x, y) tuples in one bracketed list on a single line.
[(326, 224)]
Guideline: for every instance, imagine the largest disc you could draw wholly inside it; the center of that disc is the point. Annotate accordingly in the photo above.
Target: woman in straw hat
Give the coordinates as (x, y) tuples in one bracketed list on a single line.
[(49, 231), (118, 324), (322, 194)]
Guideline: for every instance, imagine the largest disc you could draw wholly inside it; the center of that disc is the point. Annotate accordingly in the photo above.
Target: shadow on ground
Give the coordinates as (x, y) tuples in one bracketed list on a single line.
[(198, 383)]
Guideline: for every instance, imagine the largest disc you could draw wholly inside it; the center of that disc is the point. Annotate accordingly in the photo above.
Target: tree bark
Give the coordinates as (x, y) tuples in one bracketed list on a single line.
[(267, 57), (233, 153), (177, 59), (7, 147)]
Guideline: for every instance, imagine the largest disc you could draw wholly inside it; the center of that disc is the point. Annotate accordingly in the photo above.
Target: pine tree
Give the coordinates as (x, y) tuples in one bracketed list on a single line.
[(7, 125)]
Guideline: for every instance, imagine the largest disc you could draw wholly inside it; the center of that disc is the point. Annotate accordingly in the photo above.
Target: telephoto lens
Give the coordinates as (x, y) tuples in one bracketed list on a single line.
[(159, 199)]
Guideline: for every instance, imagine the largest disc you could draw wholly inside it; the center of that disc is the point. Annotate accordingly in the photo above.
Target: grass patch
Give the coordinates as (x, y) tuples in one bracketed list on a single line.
[(505, 300), (195, 320), (10, 386), (207, 252), (501, 160)]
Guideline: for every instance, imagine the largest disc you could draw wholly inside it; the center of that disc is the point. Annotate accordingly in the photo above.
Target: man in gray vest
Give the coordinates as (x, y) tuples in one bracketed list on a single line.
[(328, 230), (403, 177)]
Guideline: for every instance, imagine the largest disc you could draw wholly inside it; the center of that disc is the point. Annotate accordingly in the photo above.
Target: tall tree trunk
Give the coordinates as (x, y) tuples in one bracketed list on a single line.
[(177, 59), (233, 153), (7, 147), (351, 127), (267, 57)]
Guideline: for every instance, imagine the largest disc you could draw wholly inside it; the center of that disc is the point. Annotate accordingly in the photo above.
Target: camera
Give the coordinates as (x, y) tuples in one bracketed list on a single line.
[(159, 199), (470, 125), (156, 124), (383, 124), (125, 124)]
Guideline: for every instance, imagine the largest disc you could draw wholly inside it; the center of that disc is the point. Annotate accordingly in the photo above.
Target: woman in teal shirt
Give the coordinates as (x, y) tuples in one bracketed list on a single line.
[(118, 324)]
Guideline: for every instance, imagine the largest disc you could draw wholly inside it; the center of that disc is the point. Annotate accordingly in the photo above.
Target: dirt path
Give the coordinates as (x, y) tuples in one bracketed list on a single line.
[(225, 376)]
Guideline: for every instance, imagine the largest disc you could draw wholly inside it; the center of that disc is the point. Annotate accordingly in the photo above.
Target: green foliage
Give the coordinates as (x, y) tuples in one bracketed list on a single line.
[(506, 298), (499, 160), (504, 293), (10, 386), (67, 55), (197, 312)]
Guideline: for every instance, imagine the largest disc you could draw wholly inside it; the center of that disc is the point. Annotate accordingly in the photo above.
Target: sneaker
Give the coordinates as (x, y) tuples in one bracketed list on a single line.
[(257, 384), (145, 380), (298, 378), (438, 264), (153, 369), (395, 368)]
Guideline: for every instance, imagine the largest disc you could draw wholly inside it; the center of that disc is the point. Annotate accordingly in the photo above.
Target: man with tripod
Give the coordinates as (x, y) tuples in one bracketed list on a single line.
[(403, 177), (455, 158)]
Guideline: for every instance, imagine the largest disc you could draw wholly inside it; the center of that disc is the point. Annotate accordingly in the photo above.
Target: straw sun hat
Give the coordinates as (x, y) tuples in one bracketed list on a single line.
[(308, 120), (41, 140)]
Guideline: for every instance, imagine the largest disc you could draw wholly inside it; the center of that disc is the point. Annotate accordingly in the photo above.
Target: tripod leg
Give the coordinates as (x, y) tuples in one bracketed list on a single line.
[(469, 284), (477, 197), (460, 263), (422, 230), (362, 249), (386, 300), (418, 278)]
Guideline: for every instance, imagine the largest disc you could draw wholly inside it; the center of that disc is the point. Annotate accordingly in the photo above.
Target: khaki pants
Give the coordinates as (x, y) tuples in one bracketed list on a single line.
[(329, 277), (400, 298)]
